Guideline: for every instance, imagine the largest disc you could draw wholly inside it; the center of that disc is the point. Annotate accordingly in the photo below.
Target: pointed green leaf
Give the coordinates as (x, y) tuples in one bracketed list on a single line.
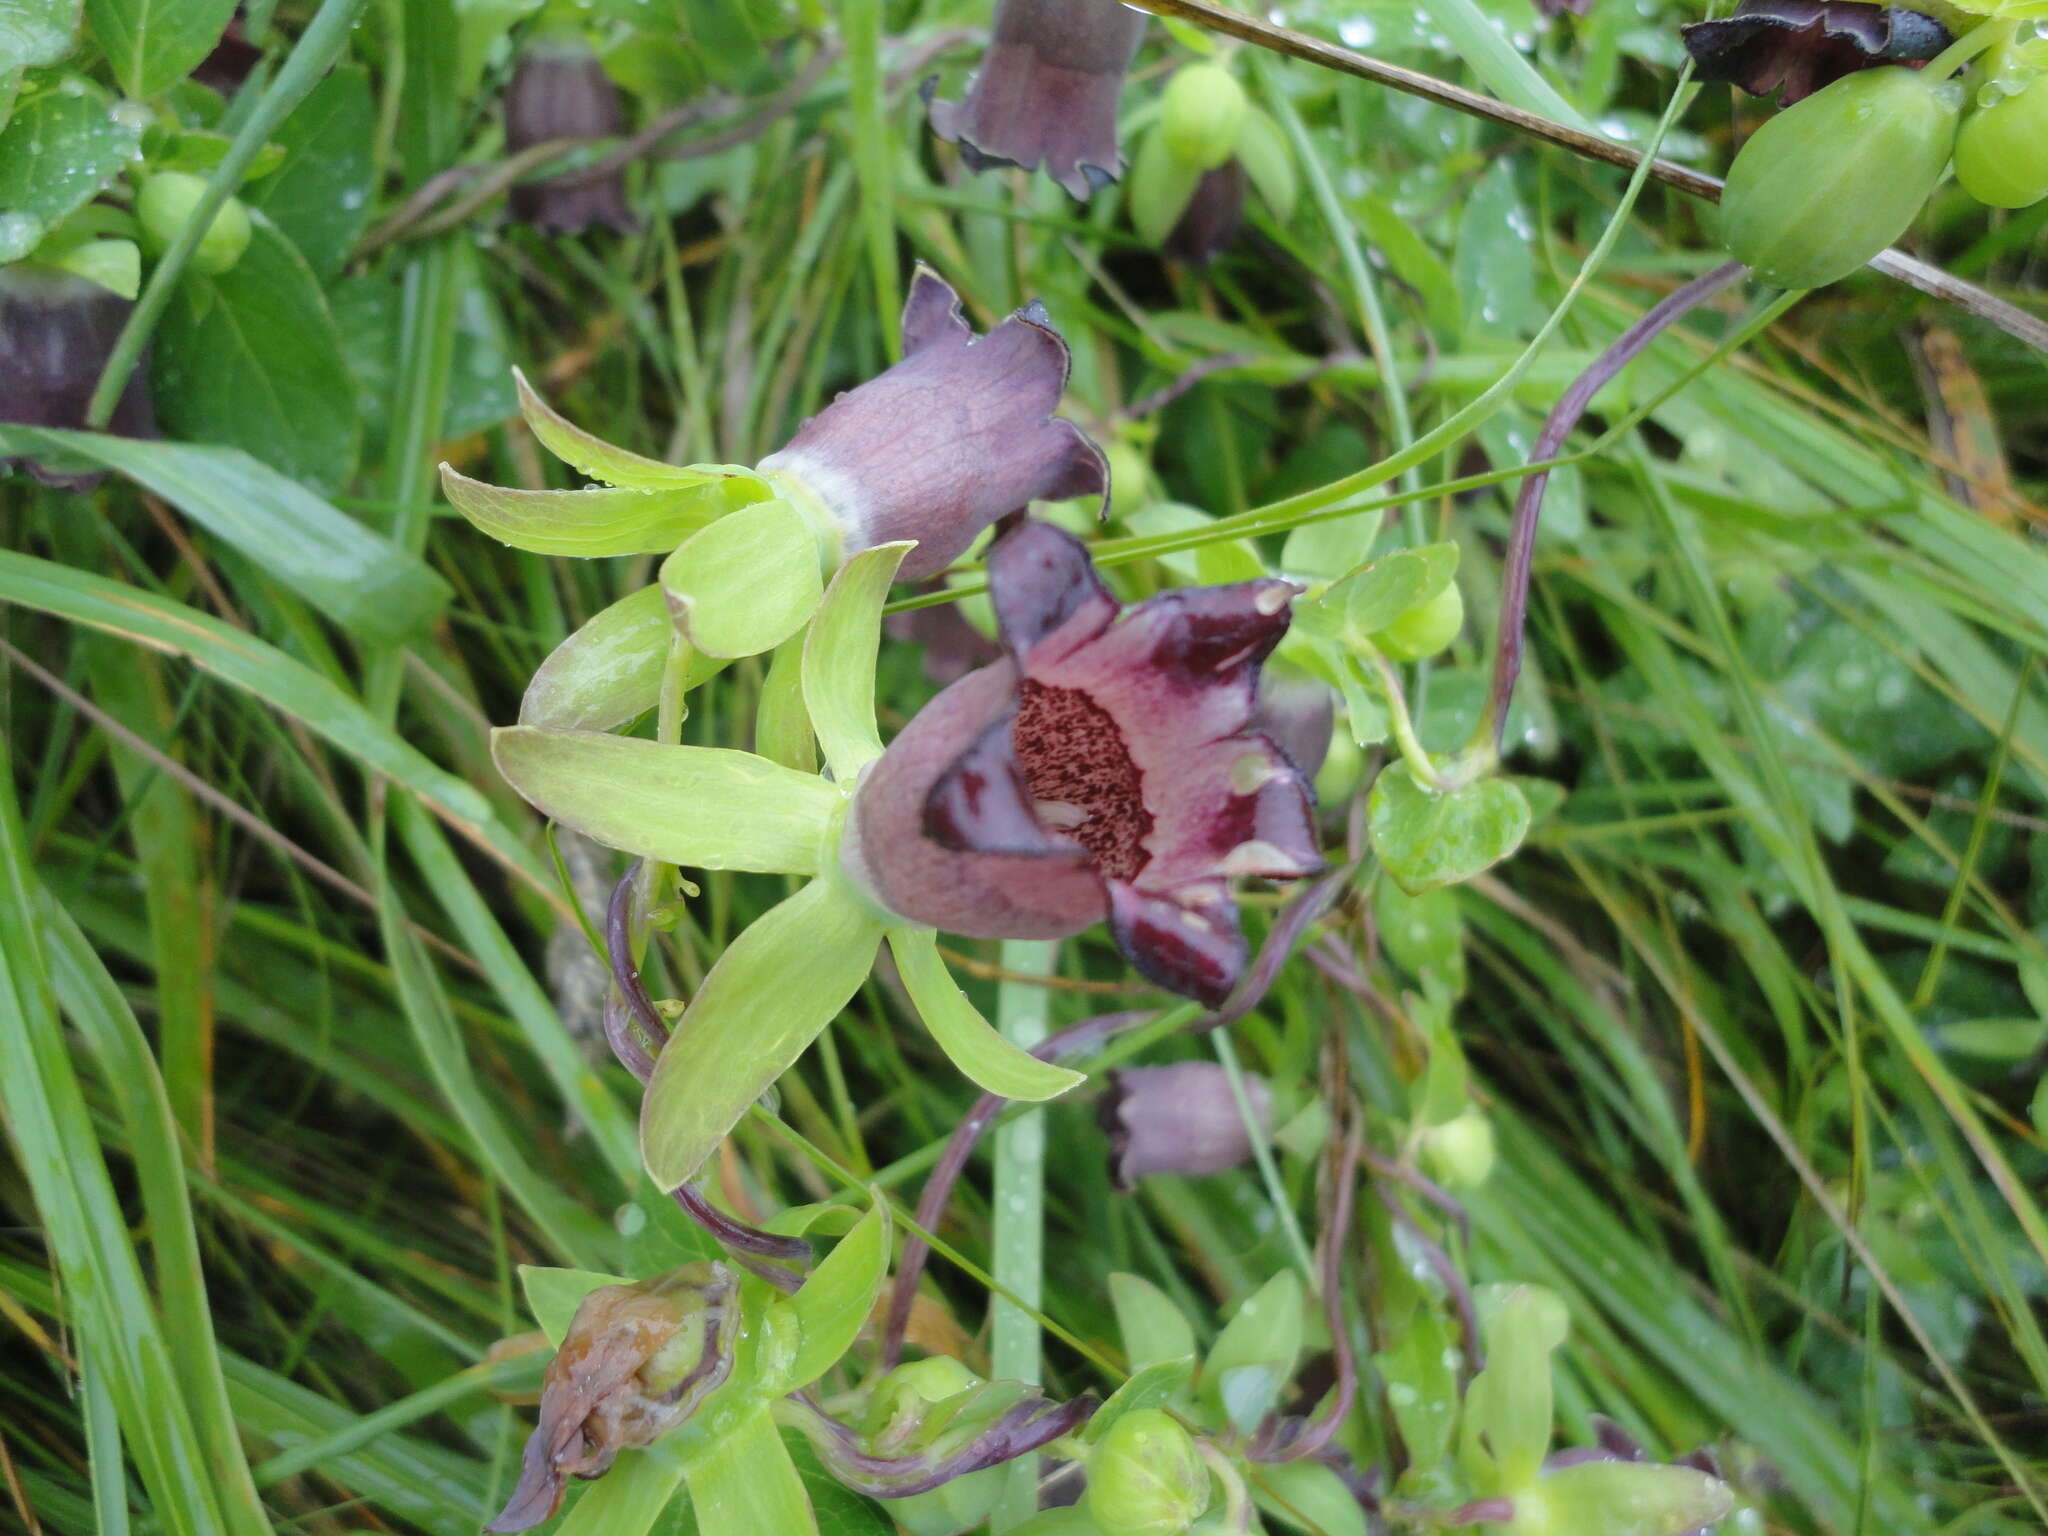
[(1269, 162), (1251, 1360), (994, 1064), (553, 1295), (705, 807), (1377, 594), (589, 523), (839, 659), (782, 726), (746, 583), (1623, 1498), (1155, 1386), (152, 44), (593, 456), (608, 673), (1428, 839), (1307, 1495), (1153, 1329), (836, 1300), (1508, 1407), (743, 1483), (775, 987)]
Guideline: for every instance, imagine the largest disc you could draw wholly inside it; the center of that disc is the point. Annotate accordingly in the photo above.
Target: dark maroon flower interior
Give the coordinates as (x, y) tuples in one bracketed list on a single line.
[(1081, 775)]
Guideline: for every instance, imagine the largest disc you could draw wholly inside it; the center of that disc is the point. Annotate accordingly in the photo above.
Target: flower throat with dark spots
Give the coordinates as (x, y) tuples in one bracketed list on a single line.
[(1072, 753)]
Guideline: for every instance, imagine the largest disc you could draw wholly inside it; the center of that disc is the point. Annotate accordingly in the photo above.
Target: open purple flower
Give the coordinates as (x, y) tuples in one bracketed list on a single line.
[(56, 331), (958, 434), (1794, 47), (559, 90), (1106, 768), (1047, 92), (1181, 1118)]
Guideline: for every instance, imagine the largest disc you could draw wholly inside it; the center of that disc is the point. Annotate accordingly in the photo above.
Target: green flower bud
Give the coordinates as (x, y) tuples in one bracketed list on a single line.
[(2002, 147), (1145, 1477), (1201, 114), (1459, 1153), (1827, 184), (896, 1407), (164, 206), (1426, 628)]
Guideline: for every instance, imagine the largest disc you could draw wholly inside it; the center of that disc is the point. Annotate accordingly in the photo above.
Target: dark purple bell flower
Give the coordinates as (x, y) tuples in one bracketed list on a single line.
[(1299, 713), (1559, 7), (56, 330), (1179, 1119), (1106, 768), (233, 60), (559, 90), (957, 435), (1047, 92), (953, 647), (1213, 216), (1794, 47)]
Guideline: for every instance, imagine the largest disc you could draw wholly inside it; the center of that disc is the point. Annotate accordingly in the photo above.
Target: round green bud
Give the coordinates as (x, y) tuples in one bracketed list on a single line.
[(1201, 115), (1426, 628), (2002, 147), (901, 1397), (1828, 183), (163, 208), (1145, 1477), (1459, 1153)]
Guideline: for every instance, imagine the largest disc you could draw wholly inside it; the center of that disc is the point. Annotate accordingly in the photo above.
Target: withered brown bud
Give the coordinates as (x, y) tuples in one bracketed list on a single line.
[(559, 90), (637, 1361)]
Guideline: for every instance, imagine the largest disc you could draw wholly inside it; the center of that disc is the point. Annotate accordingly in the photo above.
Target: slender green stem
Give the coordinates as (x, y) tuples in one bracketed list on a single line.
[(1262, 1154), (1965, 48), (862, 20), (317, 48), (1019, 1235), (1403, 726)]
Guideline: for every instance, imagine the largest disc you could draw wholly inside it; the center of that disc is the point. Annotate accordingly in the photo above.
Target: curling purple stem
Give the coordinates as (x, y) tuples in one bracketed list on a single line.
[(1564, 416)]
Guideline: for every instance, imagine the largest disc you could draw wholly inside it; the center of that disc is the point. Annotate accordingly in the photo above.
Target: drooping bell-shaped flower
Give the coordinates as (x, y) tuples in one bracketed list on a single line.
[(636, 1361), (1106, 768), (56, 332), (1047, 92), (559, 90), (1213, 216), (956, 435), (1794, 47), (1182, 1118)]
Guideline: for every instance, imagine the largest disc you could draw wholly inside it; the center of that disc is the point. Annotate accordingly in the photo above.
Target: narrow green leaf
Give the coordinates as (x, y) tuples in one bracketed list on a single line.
[(837, 1298), (743, 1483), (839, 660), (593, 456), (553, 1295), (747, 582), (589, 523), (153, 44), (775, 987), (1428, 839), (992, 1063), (608, 673), (360, 580), (705, 807)]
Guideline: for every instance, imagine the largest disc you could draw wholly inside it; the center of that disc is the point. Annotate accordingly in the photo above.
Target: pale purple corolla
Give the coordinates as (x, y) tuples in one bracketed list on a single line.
[(1106, 768), (1047, 92), (1182, 1118), (945, 442), (560, 91), (57, 330)]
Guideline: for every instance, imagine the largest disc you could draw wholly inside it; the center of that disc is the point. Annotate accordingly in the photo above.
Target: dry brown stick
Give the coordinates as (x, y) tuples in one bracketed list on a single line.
[(1910, 270)]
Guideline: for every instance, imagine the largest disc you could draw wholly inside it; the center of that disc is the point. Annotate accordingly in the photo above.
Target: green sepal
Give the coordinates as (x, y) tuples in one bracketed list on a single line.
[(747, 582), (1268, 161), (1158, 1385), (1153, 1329), (742, 1481), (1422, 1385), (1249, 1365), (588, 524), (1427, 838), (116, 265), (782, 726), (600, 460), (1507, 1413), (839, 659), (829, 1309), (1620, 1498), (608, 673), (553, 1295), (705, 807), (970, 1042), (770, 994), (1159, 186)]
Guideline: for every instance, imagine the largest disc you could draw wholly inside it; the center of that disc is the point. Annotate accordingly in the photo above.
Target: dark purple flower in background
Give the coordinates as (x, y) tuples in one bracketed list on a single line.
[(1299, 713), (233, 60), (1213, 216), (637, 1361), (1794, 47), (56, 331), (1047, 92), (1559, 7), (953, 647), (1107, 768), (559, 90), (1179, 1119), (958, 434)]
